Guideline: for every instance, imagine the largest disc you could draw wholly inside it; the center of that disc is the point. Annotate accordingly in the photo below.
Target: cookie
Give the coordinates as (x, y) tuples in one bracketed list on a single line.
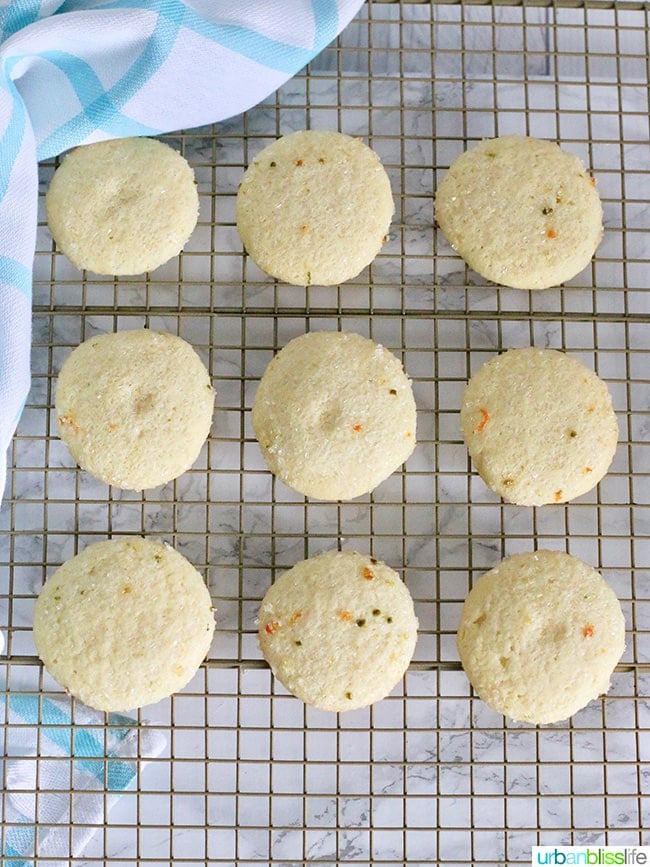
[(540, 635), (124, 206), (314, 207), (123, 624), (134, 407), (334, 415), (338, 630), (521, 212), (539, 426)]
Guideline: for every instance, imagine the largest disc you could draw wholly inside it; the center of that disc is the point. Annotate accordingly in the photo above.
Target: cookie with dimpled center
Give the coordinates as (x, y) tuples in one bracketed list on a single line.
[(334, 415), (123, 206), (134, 407)]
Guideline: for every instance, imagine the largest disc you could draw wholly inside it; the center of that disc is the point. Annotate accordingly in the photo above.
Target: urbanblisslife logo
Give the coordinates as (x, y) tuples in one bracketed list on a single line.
[(563, 856)]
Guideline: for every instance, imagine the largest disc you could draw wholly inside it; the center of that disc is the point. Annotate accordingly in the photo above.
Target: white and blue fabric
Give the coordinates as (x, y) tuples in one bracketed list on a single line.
[(78, 71), (60, 772)]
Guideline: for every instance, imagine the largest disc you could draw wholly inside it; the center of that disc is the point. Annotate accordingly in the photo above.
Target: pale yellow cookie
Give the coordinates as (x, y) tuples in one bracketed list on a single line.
[(540, 636), (123, 624), (338, 630), (539, 426), (134, 407), (334, 415), (520, 211), (314, 207), (123, 206)]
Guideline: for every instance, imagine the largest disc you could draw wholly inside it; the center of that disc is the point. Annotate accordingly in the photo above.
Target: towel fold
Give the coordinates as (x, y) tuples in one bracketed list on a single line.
[(78, 71), (65, 764), (74, 72)]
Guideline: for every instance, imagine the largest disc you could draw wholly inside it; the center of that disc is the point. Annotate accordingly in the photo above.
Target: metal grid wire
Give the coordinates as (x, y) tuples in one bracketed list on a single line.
[(249, 775)]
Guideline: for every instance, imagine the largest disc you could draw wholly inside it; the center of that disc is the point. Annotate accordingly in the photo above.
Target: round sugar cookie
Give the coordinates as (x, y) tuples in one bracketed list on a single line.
[(334, 415), (314, 207), (521, 212), (134, 407), (540, 635), (123, 206), (338, 630), (539, 426), (125, 623)]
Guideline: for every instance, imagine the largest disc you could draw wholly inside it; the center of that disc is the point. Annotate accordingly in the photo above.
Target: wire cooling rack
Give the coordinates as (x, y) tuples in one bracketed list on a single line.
[(248, 775)]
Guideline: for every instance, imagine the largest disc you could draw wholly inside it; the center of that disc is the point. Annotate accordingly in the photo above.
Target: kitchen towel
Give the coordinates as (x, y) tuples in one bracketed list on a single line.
[(64, 765), (78, 71)]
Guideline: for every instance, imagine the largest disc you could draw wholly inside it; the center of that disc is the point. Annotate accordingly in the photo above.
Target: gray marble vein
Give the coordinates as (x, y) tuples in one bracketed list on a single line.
[(431, 775)]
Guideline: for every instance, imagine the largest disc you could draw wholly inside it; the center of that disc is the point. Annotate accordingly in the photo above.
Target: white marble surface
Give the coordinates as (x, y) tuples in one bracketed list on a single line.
[(430, 775)]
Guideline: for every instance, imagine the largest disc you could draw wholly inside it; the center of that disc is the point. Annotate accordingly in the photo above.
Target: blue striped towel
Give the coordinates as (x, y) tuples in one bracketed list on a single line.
[(62, 770), (77, 71)]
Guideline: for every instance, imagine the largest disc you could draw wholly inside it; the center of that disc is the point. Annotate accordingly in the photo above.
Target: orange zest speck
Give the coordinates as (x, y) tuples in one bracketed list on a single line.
[(368, 574), (356, 428), (551, 234), (298, 162), (295, 617), (592, 181), (409, 434), (558, 496), (345, 615), (68, 419), (591, 409), (271, 627), (587, 469), (588, 631), (485, 418)]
